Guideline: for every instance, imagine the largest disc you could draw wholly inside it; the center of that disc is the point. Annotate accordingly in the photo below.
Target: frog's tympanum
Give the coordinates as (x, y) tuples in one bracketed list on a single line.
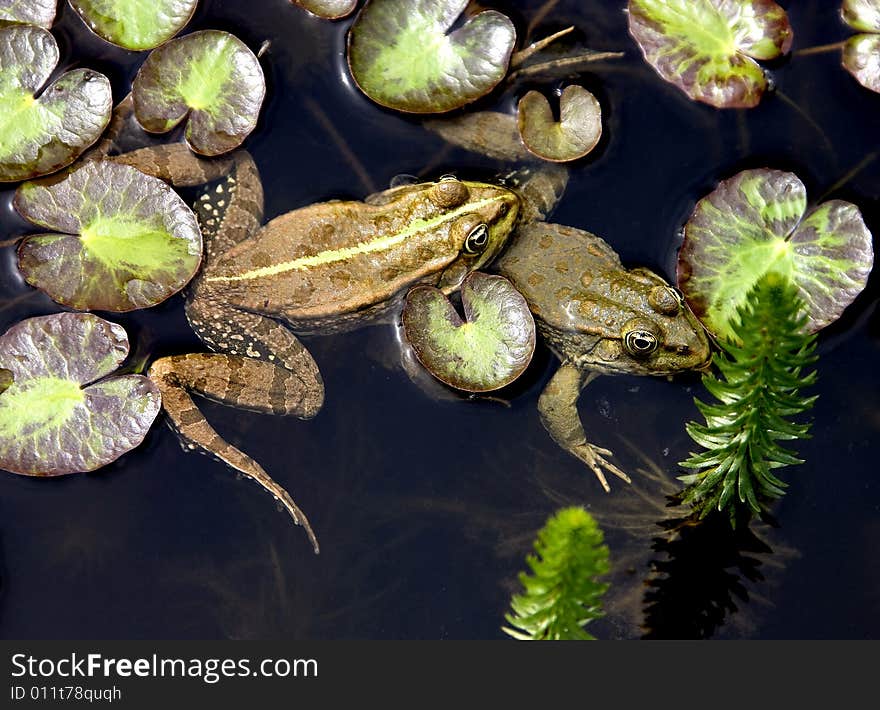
[(323, 268), (598, 317)]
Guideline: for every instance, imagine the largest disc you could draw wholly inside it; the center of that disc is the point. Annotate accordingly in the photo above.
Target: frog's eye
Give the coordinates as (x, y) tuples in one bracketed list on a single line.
[(476, 240), (665, 300), (640, 343)]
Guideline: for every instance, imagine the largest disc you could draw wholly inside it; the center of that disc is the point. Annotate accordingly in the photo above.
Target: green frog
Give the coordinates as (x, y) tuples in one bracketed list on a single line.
[(324, 268), (597, 317)]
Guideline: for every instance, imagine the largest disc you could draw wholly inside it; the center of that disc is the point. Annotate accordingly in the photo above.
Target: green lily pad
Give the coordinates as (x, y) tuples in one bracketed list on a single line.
[(862, 15), (708, 48), (42, 135), (28, 12), (861, 53), (575, 134), (757, 222), (135, 24), (126, 240), (328, 9), (211, 77), (403, 55), (486, 351), (60, 415)]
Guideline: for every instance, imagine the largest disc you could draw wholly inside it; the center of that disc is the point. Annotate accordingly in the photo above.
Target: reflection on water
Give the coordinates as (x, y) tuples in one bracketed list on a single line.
[(426, 505)]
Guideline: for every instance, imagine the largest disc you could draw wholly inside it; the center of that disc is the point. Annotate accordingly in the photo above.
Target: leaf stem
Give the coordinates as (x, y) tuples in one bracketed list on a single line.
[(819, 49)]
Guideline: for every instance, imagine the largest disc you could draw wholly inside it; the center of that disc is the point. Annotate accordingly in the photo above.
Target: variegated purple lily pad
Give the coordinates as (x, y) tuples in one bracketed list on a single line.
[(39, 135), (487, 350), (328, 9), (123, 240), (61, 413), (135, 24), (758, 222), (575, 134), (708, 48), (28, 12), (403, 54), (212, 78), (861, 53)]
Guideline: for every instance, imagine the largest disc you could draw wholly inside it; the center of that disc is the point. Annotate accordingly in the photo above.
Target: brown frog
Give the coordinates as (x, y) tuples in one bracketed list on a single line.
[(323, 268)]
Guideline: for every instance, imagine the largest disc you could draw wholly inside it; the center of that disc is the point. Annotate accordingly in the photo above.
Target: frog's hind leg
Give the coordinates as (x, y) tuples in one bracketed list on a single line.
[(557, 407), (248, 383)]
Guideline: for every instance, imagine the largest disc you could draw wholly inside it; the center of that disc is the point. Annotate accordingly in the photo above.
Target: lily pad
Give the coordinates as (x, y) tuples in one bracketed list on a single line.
[(861, 53), (708, 48), (209, 76), (575, 134), (758, 222), (135, 24), (486, 351), (42, 135), (403, 55), (126, 240), (60, 415), (328, 9), (28, 12)]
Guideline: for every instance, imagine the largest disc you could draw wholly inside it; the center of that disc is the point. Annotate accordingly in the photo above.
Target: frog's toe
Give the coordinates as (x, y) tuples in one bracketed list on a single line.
[(594, 457)]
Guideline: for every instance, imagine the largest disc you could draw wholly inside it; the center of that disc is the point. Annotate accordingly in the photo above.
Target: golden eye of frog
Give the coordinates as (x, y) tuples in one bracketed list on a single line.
[(598, 317)]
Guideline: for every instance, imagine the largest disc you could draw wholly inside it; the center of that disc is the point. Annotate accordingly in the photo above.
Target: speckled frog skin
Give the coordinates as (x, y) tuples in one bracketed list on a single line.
[(597, 317), (325, 267)]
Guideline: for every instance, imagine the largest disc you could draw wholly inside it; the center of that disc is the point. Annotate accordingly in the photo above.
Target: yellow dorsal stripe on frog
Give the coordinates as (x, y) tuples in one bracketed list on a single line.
[(376, 245)]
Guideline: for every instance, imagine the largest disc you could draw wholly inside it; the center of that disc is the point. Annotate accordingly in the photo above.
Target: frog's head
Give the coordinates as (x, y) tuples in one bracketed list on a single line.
[(482, 216), (656, 335)]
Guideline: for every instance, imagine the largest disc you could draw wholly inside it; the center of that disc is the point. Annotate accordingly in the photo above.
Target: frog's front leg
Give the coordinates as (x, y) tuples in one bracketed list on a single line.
[(263, 368), (557, 407)]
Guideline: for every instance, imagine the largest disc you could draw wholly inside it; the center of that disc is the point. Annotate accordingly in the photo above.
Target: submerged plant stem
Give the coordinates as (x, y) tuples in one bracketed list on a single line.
[(819, 49)]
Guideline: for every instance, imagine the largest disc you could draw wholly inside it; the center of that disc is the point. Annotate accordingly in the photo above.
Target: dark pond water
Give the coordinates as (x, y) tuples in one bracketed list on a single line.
[(426, 507)]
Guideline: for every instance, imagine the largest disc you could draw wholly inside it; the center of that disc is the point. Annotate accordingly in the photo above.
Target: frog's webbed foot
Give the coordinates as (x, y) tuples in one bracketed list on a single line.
[(557, 407), (251, 384)]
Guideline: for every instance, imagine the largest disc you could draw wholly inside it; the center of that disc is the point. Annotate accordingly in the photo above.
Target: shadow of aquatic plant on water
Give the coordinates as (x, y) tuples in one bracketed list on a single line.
[(702, 577)]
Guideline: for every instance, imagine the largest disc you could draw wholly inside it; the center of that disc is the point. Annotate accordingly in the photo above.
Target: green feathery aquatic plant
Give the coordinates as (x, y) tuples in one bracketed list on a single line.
[(561, 594), (759, 389)]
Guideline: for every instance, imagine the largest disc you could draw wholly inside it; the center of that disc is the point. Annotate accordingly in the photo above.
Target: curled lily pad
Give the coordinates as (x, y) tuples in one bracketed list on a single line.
[(757, 222), (708, 48), (28, 12), (41, 135), (575, 134), (861, 54), (210, 76), (403, 55), (328, 9), (488, 350), (60, 415), (126, 240), (135, 24)]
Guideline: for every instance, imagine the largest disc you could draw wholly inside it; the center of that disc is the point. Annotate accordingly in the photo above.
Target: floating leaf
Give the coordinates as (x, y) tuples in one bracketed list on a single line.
[(403, 55), (708, 48), (861, 54), (28, 12), (575, 134), (135, 24), (757, 222), (127, 239), (210, 76), (862, 15), (42, 135), (328, 9), (59, 415), (486, 351)]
